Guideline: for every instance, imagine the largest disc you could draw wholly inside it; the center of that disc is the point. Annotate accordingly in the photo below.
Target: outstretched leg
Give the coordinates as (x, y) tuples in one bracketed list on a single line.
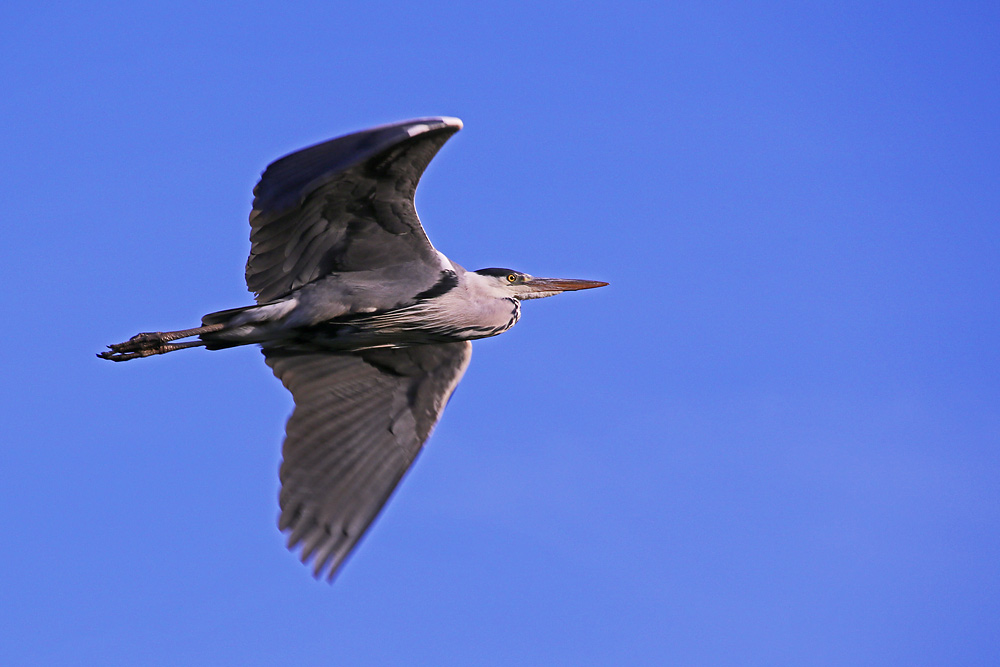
[(157, 342)]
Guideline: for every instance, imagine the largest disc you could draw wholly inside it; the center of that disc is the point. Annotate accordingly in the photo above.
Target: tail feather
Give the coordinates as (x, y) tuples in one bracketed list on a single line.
[(225, 316)]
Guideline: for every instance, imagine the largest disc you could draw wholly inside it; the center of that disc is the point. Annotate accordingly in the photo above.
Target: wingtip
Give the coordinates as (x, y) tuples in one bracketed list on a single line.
[(422, 125)]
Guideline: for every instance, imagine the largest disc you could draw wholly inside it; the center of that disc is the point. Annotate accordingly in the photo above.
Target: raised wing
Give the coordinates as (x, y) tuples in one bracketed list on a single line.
[(343, 205), (360, 420)]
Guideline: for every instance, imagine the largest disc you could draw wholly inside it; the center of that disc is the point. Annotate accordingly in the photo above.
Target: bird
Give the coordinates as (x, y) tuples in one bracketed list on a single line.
[(361, 318)]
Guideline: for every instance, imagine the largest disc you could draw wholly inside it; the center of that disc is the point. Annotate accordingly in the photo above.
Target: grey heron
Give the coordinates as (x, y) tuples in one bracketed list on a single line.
[(361, 318)]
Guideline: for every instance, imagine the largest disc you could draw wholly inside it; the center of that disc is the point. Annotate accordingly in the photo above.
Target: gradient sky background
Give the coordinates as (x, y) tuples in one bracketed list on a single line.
[(773, 440)]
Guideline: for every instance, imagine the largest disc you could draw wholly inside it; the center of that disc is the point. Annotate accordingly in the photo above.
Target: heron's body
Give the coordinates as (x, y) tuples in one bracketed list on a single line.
[(365, 322), (320, 316)]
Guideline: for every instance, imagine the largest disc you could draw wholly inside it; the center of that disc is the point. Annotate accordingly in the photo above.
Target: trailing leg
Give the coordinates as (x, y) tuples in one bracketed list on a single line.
[(157, 342)]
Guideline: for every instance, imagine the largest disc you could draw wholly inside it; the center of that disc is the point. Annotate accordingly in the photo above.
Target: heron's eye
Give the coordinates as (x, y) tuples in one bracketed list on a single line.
[(512, 277)]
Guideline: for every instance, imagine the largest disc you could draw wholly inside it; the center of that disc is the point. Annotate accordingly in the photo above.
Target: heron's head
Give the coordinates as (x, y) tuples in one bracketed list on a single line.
[(510, 283)]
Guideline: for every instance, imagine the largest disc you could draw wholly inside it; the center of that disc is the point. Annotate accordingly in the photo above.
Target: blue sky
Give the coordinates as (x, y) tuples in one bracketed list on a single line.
[(773, 440)]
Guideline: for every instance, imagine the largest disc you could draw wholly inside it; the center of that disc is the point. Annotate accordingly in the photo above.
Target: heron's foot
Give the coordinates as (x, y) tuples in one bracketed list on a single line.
[(140, 345), (111, 355), (143, 341), (155, 342)]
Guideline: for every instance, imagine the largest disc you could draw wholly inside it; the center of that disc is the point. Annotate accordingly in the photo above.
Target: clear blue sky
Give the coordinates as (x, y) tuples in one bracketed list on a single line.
[(773, 440)]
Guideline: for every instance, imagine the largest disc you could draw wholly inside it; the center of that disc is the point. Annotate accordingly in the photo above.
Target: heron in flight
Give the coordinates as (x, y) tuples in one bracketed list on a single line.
[(361, 318)]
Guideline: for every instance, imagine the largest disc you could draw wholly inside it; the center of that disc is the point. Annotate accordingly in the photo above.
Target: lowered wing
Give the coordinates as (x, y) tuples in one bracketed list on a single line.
[(360, 420)]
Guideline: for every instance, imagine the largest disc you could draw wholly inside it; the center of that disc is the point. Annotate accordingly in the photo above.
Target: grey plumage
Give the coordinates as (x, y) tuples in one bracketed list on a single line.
[(378, 406), (361, 318), (345, 206)]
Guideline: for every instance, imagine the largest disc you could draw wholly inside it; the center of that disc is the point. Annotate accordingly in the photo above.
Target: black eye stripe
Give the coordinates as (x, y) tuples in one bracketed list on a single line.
[(499, 273)]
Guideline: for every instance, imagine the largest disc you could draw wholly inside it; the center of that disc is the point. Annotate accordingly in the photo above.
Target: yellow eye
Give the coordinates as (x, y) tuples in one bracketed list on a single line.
[(512, 277)]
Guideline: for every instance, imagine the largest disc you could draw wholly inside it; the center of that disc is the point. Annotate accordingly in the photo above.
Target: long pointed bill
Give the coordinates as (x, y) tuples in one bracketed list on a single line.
[(541, 287)]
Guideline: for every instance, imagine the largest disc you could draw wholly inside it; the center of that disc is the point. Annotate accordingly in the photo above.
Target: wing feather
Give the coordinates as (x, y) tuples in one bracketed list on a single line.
[(343, 205), (360, 420)]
